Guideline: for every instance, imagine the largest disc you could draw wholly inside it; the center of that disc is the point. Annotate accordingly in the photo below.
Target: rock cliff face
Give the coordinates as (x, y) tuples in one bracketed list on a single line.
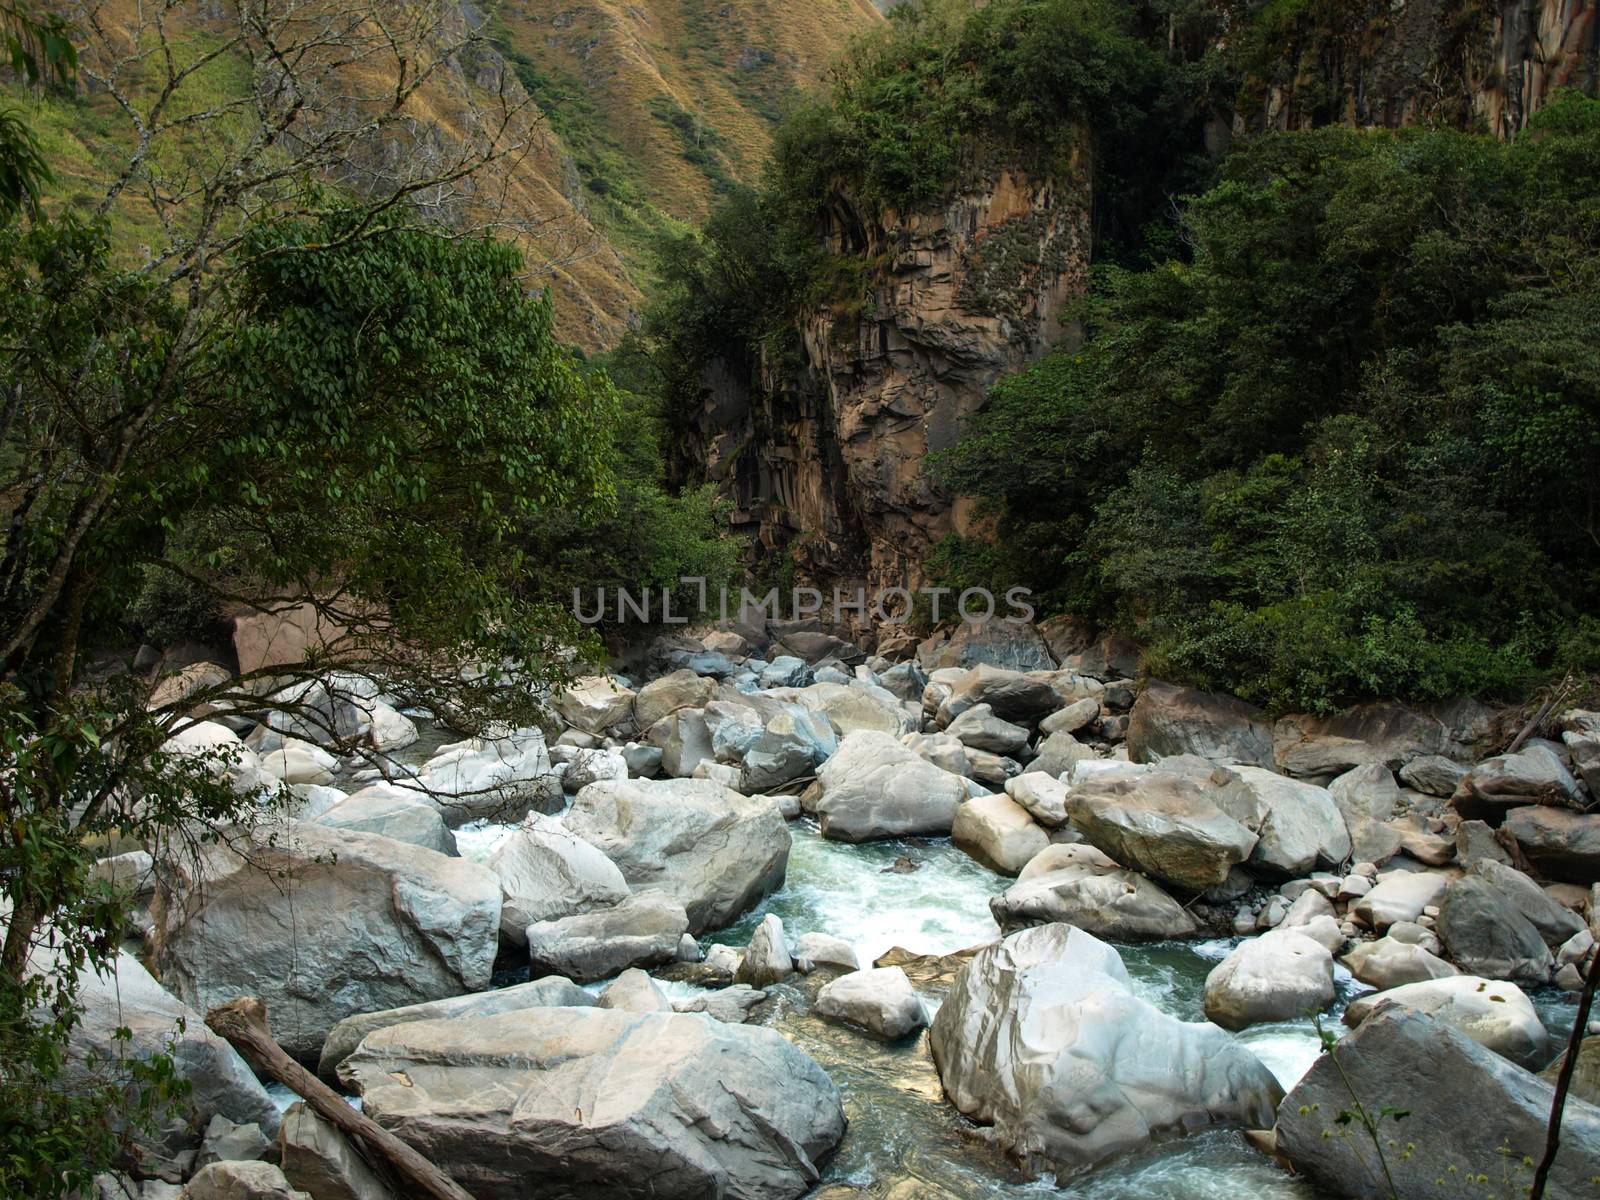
[(826, 459), (1464, 63)]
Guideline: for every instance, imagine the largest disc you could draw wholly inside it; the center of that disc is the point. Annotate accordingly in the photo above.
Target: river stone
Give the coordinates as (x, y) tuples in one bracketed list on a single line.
[(322, 923), (1531, 776), (1159, 823), (1477, 840), (1299, 826), (1487, 935), (642, 931), (731, 1004), (880, 999), (1477, 1113), (786, 671), (793, 743), (715, 852), (634, 991), (1043, 795), (661, 697), (547, 872), (1167, 720), (1492, 1012), (1282, 975), (1389, 963), (595, 704), (858, 706), (767, 960), (1042, 1037), (220, 1084), (242, 1181), (812, 950), (398, 813), (1392, 734), (317, 1158), (1399, 896), (1010, 695), (224, 755), (591, 766), (1554, 921), (1559, 844), (1082, 887), (596, 1104), (1074, 717), (1433, 775), (684, 742), (875, 787), (979, 729), (549, 992), (499, 779), (998, 832), (905, 681), (1059, 753), (300, 762), (1366, 793)]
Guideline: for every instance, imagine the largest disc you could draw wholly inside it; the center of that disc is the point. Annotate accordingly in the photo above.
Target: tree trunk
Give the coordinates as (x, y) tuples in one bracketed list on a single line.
[(244, 1023)]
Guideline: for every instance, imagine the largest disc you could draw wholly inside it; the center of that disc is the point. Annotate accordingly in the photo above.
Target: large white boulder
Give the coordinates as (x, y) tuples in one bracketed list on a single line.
[(875, 787), (321, 923), (497, 779), (1298, 824), (879, 999), (1078, 885), (595, 703), (1280, 976), (1042, 1037), (1492, 1012), (642, 931), (714, 851), (998, 832), (603, 1104), (546, 872)]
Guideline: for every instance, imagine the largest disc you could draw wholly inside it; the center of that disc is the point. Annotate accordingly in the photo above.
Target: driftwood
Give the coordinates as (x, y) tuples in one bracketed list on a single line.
[(244, 1023)]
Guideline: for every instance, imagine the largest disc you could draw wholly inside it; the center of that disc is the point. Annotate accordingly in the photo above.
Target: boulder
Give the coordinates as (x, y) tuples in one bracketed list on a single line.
[(1042, 1037), (1077, 885), (242, 1181), (591, 766), (595, 704), (786, 671), (322, 923), (979, 729), (186, 683), (300, 762), (998, 832), (1114, 656), (767, 960), (880, 1000), (1001, 643), (813, 950), (499, 779), (814, 646), (1043, 795), (1010, 695), (1491, 1012), (1531, 776), (1399, 896), (857, 706), (224, 755), (792, 743), (715, 852), (1167, 720), (399, 813), (1298, 825), (642, 931), (634, 991), (1160, 823), (549, 992), (1280, 976), (1059, 753), (1585, 1075), (157, 1022), (1391, 963), (227, 1141), (731, 1004), (1557, 843), (664, 696), (316, 1158), (905, 681), (1433, 775), (1077, 716), (1366, 793), (875, 787), (599, 1104), (684, 740), (547, 872), (1321, 747), (1487, 935), (1470, 1112)]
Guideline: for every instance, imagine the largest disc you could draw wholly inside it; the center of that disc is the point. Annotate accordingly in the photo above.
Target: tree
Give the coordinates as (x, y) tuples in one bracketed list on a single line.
[(315, 382)]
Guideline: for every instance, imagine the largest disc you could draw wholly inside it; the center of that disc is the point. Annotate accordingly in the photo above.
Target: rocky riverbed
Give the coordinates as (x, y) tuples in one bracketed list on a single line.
[(772, 917)]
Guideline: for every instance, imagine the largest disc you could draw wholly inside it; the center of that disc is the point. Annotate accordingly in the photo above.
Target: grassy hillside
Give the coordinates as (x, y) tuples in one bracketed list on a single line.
[(643, 113)]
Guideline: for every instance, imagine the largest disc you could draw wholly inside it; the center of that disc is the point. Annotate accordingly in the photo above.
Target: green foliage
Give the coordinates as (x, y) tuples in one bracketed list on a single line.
[(1349, 447)]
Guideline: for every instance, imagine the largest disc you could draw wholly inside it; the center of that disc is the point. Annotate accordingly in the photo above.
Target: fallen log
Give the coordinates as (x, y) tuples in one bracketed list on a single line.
[(243, 1022)]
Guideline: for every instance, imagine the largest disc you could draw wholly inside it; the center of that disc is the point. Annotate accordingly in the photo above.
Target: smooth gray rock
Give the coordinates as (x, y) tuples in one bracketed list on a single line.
[(879, 999), (714, 851), (643, 931), (595, 703), (979, 729), (1011, 695), (767, 960), (1465, 1103), (1558, 844), (231, 1141), (634, 991), (317, 1158), (1487, 935), (1367, 793), (550, 992), (242, 1181), (1042, 1037), (1534, 775), (547, 872), (1298, 825), (1042, 794), (1079, 886), (1433, 775), (1166, 720), (323, 923), (1059, 753), (399, 813), (664, 696), (1159, 823), (1282, 975), (875, 787), (595, 1104), (998, 832), (812, 950), (1391, 963), (1492, 1012)]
